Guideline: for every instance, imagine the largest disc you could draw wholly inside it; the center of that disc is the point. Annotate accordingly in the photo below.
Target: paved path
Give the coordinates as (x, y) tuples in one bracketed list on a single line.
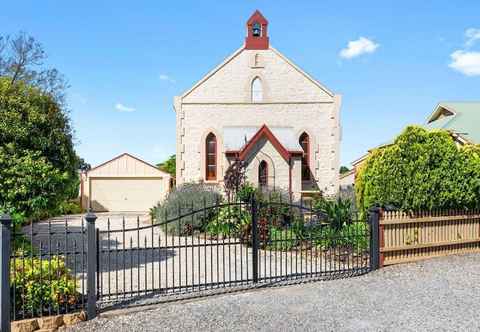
[(436, 295)]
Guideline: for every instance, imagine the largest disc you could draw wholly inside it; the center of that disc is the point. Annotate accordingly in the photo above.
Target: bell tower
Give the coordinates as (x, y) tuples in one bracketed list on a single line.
[(257, 35)]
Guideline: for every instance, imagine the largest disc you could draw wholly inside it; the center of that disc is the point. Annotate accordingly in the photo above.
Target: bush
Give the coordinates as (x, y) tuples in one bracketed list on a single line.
[(69, 207), (186, 198), (338, 211), (230, 221), (246, 192), (353, 236), (356, 236), (282, 239), (421, 170), (39, 285)]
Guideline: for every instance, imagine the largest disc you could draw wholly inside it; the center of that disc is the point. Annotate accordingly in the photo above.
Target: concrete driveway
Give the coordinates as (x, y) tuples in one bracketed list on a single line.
[(436, 295), (135, 261)]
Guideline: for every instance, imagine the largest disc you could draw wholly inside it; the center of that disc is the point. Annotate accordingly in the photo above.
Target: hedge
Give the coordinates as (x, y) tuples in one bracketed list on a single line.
[(421, 170)]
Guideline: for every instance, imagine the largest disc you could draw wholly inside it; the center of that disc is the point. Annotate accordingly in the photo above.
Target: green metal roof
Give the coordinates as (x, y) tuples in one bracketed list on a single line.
[(465, 121)]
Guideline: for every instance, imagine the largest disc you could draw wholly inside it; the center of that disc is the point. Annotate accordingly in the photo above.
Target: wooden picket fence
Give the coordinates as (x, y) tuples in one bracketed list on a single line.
[(407, 237)]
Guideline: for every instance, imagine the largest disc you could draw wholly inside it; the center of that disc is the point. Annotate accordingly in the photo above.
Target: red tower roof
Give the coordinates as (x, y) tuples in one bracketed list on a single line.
[(257, 34)]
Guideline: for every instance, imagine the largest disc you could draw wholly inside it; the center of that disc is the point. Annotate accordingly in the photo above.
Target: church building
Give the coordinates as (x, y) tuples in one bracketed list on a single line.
[(259, 107)]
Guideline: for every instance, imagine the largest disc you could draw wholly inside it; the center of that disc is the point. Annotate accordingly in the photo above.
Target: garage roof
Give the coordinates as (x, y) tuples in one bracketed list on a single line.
[(126, 165)]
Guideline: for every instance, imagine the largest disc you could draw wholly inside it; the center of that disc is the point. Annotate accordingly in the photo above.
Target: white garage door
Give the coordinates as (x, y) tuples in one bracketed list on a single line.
[(136, 194)]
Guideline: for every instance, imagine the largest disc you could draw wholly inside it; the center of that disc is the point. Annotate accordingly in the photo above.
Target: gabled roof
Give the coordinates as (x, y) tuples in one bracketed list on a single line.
[(240, 50), (460, 118), (265, 132), (133, 157), (257, 17), (213, 71), (301, 71), (235, 137)]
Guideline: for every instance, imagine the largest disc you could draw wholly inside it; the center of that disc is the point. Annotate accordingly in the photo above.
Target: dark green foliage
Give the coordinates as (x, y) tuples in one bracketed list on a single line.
[(246, 192), (169, 165), (338, 211), (69, 207), (421, 170), (231, 221), (282, 239), (38, 165), (344, 169), (186, 198)]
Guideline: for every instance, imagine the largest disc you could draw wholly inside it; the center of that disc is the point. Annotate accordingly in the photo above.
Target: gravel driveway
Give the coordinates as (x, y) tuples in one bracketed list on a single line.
[(436, 295)]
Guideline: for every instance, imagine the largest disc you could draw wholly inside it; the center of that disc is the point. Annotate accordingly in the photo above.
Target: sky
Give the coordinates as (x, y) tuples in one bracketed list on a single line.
[(392, 61)]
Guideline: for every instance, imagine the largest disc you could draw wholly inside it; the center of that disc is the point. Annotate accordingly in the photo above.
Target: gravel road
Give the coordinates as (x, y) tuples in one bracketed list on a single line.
[(440, 294)]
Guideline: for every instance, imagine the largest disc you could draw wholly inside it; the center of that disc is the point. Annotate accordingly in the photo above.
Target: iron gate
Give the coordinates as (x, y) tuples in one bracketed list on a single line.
[(224, 246)]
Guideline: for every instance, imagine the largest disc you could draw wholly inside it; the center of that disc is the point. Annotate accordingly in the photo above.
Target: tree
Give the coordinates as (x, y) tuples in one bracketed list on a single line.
[(421, 170), (235, 177), (83, 165), (168, 165), (38, 164), (344, 169), (22, 60)]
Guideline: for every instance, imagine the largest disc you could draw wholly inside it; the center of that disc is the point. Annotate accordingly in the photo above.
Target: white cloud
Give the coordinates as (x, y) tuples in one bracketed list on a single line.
[(472, 35), (358, 47), (165, 77), (467, 63), (122, 108)]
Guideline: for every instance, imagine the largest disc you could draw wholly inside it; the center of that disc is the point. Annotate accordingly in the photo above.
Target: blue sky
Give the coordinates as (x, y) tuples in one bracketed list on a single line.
[(125, 60)]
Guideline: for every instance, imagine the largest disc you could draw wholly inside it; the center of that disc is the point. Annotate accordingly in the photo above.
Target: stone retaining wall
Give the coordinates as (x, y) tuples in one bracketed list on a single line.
[(48, 323)]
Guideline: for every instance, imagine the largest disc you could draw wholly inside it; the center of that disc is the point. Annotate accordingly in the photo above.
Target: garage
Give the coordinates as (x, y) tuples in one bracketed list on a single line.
[(124, 184)]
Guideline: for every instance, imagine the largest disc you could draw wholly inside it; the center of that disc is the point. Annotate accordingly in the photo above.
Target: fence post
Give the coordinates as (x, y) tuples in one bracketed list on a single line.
[(374, 221), (5, 233), (91, 265), (254, 211)]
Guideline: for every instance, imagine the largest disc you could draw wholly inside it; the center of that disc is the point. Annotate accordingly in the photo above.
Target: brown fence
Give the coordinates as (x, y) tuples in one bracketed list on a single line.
[(407, 237)]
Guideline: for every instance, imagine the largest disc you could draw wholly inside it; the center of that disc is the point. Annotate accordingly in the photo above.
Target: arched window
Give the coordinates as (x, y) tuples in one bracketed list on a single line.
[(305, 144), (257, 90), (263, 174), (256, 29), (211, 157)]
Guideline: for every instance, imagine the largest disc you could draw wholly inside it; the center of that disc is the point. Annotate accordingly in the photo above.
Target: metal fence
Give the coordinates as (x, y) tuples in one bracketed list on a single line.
[(195, 252)]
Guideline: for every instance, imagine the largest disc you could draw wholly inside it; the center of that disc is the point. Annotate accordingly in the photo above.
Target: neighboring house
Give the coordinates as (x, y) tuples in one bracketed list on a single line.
[(259, 107), (347, 179), (460, 119), (124, 183)]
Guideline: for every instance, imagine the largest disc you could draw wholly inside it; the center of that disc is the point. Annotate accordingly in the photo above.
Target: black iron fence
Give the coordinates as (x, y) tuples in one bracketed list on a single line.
[(58, 267)]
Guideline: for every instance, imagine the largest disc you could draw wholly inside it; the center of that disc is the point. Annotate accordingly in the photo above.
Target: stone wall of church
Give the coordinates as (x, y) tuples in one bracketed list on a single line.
[(290, 99), (278, 168)]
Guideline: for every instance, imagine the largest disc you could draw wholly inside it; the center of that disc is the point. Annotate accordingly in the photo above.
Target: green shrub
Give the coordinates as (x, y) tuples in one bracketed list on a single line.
[(338, 211), (69, 207), (421, 170), (230, 221), (324, 237), (40, 284), (355, 236), (186, 198), (282, 239), (246, 192)]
